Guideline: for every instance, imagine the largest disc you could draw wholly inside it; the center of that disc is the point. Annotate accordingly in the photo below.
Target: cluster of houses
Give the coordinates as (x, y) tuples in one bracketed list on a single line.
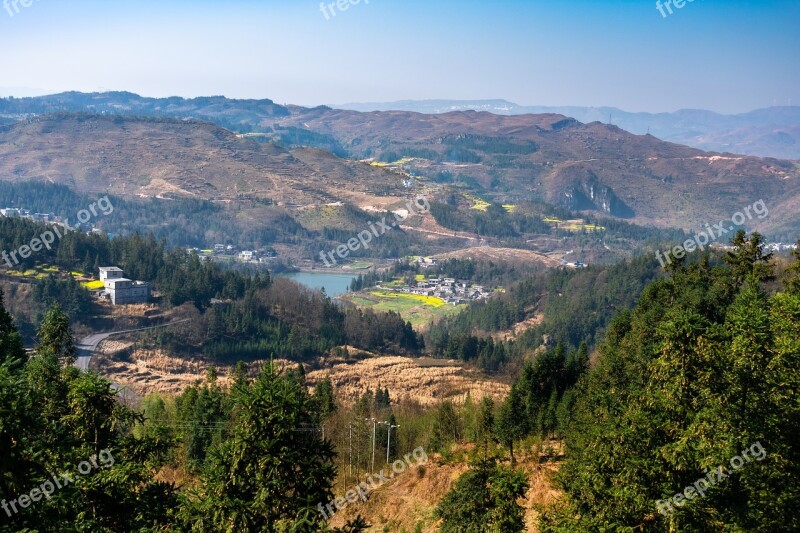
[(452, 291), (427, 262), (15, 212), (245, 255), (228, 251), (780, 247), (46, 218)]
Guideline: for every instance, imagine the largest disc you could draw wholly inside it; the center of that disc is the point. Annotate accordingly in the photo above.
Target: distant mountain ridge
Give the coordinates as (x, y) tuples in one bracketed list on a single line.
[(159, 148), (769, 132)]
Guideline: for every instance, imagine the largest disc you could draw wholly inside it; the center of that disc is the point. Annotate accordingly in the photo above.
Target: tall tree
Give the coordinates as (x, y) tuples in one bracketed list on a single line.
[(11, 347), (272, 471), (511, 423), (55, 336)]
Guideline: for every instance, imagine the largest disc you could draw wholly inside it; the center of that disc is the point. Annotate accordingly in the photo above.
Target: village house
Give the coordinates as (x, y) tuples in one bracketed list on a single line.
[(121, 290)]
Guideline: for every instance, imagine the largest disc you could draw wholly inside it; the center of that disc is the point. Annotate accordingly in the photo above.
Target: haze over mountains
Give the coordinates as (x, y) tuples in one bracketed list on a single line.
[(769, 132)]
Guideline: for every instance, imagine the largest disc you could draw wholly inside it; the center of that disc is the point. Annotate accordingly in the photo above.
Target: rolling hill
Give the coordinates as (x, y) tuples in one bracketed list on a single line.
[(585, 167), (769, 132), (283, 156)]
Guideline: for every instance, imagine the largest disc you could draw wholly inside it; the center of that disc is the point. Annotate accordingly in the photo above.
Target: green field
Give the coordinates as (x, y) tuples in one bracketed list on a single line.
[(360, 265), (417, 309)]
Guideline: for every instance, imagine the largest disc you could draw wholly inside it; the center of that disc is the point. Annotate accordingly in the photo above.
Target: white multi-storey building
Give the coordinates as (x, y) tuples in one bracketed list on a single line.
[(122, 290)]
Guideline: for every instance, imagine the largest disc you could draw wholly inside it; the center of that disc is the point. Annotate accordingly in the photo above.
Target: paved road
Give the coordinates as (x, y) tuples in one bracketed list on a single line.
[(87, 346)]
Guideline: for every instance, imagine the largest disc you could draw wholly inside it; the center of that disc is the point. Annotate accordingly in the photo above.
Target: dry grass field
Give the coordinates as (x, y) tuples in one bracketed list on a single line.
[(409, 500), (425, 381)]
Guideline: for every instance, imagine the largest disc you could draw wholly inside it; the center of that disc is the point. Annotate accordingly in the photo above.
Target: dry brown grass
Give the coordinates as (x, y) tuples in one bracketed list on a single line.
[(149, 370), (511, 255), (412, 496), (406, 500), (424, 381)]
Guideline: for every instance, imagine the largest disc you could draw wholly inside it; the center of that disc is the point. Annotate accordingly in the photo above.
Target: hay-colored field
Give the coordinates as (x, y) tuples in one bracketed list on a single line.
[(425, 381), (489, 253), (407, 502), (152, 370)]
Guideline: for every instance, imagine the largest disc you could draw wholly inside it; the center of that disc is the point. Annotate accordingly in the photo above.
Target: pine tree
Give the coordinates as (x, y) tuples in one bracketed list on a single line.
[(55, 337), (510, 423), (793, 284), (11, 348), (748, 259), (272, 472)]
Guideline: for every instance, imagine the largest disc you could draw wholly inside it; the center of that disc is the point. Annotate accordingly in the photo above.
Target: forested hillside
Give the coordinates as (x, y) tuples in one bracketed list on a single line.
[(700, 373), (253, 316)]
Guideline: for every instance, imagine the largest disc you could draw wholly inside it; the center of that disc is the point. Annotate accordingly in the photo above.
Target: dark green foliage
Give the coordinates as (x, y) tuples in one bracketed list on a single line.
[(511, 424), (491, 145), (290, 137), (55, 336), (748, 260), (204, 414), (696, 374), (11, 348), (70, 295), (793, 283), (290, 321), (576, 306), (273, 469), (325, 399), (54, 418), (485, 500), (447, 428), (264, 467), (191, 222)]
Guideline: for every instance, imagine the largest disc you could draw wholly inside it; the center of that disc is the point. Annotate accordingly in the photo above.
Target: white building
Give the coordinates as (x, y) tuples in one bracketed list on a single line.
[(122, 290)]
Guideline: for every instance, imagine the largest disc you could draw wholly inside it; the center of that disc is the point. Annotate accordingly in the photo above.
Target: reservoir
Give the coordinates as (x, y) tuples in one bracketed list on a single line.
[(335, 284)]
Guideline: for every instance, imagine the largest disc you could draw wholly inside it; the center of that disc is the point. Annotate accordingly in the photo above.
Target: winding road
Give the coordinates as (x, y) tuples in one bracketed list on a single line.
[(87, 346)]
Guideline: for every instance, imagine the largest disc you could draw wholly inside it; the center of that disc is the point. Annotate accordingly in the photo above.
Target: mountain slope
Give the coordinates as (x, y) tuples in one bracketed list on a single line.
[(168, 157), (770, 132), (560, 160)]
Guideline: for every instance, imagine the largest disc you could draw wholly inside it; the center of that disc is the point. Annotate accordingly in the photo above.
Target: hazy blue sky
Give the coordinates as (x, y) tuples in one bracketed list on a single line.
[(724, 55)]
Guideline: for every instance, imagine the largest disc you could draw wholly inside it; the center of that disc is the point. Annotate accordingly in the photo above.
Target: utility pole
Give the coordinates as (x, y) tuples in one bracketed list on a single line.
[(351, 451), (374, 431), (389, 440)]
